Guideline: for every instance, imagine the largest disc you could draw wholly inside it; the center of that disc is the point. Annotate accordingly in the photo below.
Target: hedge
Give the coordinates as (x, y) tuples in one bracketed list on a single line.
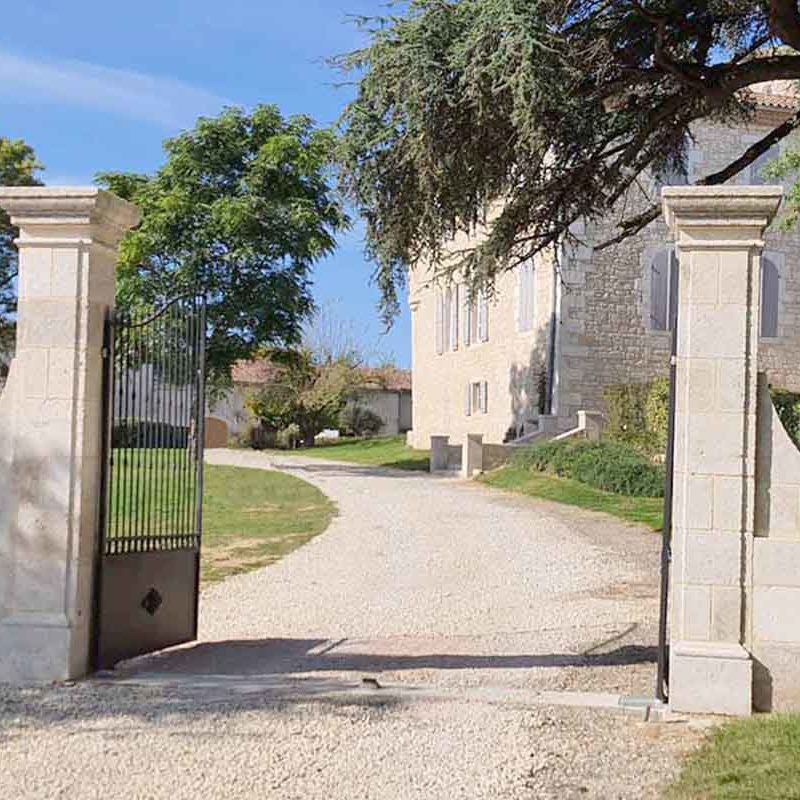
[(637, 414), (147, 434), (787, 404), (611, 466)]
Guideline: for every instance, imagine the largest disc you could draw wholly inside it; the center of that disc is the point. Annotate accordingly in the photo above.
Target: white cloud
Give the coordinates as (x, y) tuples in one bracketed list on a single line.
[(163, 101)]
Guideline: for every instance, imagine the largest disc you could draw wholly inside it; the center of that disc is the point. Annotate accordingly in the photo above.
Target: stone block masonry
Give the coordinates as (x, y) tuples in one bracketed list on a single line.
[(50, 427), (719, 234)]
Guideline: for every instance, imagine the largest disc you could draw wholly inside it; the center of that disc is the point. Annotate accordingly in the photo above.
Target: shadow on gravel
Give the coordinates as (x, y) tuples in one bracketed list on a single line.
[(281, 656)]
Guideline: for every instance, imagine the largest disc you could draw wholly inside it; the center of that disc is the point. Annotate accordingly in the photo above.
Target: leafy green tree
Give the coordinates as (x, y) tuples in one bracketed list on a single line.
[(543, 111), (305, 391), (241, 211), (18, 167)]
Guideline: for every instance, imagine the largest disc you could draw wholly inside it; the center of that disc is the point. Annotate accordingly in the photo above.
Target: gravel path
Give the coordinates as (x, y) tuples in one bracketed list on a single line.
[(428, 645)]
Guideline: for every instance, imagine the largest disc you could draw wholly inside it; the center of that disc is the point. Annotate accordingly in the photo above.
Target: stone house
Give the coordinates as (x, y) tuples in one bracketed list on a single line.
[(557, 332)]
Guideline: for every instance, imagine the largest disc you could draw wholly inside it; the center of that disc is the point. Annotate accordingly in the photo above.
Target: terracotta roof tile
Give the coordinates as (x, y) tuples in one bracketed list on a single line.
[(260, 371)]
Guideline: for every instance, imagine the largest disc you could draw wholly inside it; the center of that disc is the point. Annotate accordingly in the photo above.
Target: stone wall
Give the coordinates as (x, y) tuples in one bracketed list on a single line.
[(606, 336), (774, 620)]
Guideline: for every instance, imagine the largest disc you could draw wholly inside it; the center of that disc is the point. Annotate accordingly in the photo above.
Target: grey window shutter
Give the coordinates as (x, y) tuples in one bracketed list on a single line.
[(484, 397), (770, 297), (466, 316), (468, 400), (454, 308), (526, 297), (448, 304), (672, 306), (483, 317), (438, 320), (659, 290)]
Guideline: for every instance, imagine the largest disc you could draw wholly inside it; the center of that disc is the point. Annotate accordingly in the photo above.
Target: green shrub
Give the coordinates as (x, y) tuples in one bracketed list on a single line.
[(148, 434), (288, 437), (356, 420), (787, 404), (638, 415), (611, 466)]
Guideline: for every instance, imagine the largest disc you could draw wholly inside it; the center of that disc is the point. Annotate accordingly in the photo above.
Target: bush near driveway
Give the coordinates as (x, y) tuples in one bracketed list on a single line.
[(607, 465), (638, 415)]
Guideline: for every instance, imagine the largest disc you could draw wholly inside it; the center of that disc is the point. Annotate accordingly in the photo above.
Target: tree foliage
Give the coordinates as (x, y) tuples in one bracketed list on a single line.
[(241, 211), (542, 112), (305, 391), (18, 167)]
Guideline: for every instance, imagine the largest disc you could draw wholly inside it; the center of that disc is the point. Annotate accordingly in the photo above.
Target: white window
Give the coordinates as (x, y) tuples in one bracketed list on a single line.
[(770, 295), (754, 175), (527, 297), (438, 320), (482, 316), (663, 289), (475, 401)]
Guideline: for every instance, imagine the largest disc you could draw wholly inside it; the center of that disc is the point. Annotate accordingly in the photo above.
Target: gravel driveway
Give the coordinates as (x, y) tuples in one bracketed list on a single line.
[(440, 640)]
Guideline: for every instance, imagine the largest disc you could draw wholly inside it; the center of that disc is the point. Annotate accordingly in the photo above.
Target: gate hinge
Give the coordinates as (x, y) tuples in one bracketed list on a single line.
[(104, 352), (673, 361)]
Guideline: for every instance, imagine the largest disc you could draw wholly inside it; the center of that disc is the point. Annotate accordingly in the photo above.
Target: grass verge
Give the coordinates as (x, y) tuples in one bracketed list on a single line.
[(755, 759), (640, 510), (251, 517), (385, 451)]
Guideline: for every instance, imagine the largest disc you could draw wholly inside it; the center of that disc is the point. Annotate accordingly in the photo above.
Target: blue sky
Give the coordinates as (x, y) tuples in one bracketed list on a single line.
[(97, 86)]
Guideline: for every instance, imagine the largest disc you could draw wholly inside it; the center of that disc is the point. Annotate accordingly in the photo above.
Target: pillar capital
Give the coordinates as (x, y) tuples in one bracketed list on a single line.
[(720, 217), (50, 215)]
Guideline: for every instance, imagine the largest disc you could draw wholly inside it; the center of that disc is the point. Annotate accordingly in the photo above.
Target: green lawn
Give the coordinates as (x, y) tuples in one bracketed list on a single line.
[(641, 510), (755, 759), (386, 451), (251, 517)]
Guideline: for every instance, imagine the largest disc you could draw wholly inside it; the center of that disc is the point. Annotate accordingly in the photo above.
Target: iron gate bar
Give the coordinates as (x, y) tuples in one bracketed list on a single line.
[(152, 480), (662, 677)]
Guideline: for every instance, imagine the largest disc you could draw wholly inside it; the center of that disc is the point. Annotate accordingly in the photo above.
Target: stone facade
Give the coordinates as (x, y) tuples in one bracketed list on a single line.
[(509, 363), (602, 308)]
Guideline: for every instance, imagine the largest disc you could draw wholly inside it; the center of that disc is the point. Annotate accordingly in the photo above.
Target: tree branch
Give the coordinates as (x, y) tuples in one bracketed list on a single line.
[(634, 224), (784, 20)]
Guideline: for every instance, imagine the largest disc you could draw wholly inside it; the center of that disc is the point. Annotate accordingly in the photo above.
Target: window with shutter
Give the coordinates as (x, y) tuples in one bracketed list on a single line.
[(448, 308), (770, 297), (526, 310), (663, 289), (468, 400), (438, 320), (466, 316), (454, 308), (483, 316)]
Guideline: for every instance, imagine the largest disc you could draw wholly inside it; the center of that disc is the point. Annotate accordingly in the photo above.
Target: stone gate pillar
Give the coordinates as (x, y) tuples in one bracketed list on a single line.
[(719, 232), (50, 423)]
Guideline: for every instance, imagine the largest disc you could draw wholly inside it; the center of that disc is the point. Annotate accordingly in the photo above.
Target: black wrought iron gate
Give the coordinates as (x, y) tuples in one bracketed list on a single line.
[(152, 482)]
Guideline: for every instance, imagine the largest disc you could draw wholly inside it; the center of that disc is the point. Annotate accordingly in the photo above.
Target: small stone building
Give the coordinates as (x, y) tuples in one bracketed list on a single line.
[(557, 332), (386, 391)]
